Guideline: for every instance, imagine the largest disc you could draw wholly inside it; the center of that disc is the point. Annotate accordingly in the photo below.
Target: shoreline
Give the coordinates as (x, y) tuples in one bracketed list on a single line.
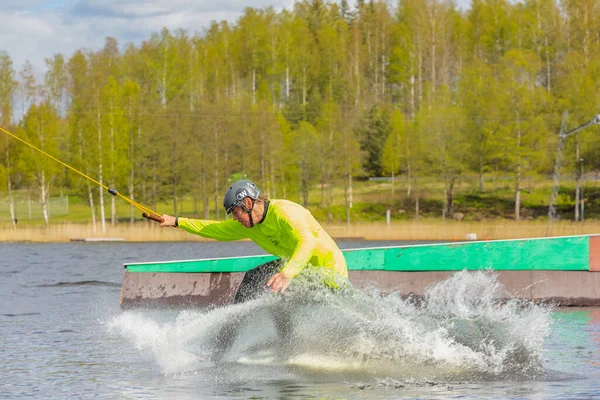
[(410, 230)]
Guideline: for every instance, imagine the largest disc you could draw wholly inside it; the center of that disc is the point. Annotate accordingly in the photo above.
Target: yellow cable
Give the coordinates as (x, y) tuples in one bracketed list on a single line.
[(133, 203)]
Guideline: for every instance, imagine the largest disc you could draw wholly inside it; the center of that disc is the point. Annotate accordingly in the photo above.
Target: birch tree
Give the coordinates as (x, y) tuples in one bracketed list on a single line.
[(441, 125), (527, 103), (8, 87), (56, 82), (305, 137), (39, 127), (80, 126)]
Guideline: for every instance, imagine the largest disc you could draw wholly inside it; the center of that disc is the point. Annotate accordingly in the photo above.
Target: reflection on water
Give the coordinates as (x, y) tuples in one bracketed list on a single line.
[(63, 334), (576, 331)]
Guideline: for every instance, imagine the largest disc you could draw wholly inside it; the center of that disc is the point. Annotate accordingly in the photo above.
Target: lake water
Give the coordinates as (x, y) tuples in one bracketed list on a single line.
[(63, 335)]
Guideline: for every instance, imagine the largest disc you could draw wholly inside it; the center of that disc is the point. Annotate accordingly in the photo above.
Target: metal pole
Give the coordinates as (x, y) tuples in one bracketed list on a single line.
[(555, 176), (577, 180), (561, 144), (581, 199)]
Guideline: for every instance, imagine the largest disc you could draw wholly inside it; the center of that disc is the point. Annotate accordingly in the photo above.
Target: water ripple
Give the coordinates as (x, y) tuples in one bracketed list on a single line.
[(77, 283)]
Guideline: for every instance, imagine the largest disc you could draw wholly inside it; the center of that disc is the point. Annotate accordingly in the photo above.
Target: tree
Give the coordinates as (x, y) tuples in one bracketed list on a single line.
[(441, 125), (329, 127), (492, 30), (350, 160), (372, 134), (306, 155), (116, 124), (56, 82), (523, 137), (129, 160), (543, 33), (480, 96), (396, 151), (28, 87), (304, 65), (39, 127), (99, 147), (81, 119), (8, 86)]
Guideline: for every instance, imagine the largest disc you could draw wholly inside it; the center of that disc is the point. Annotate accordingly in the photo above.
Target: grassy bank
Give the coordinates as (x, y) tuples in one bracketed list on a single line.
[(488, 214), (397, 230)]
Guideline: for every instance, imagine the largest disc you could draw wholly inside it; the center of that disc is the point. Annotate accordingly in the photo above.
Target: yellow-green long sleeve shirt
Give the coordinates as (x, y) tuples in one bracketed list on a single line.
[(288, 231)]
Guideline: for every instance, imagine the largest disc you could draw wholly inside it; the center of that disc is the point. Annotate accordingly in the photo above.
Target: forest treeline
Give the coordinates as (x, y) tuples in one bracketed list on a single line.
[(311, 97)]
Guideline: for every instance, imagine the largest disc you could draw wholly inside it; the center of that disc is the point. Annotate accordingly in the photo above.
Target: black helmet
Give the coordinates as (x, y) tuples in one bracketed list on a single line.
[(238, 191)]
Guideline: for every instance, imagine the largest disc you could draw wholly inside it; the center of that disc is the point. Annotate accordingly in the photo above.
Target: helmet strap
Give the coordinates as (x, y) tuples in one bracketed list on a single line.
[(249, 211)]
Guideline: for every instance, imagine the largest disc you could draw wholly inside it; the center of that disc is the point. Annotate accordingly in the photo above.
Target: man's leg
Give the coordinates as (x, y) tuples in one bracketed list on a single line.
[(255, 281), (253, 285), (283, 324)]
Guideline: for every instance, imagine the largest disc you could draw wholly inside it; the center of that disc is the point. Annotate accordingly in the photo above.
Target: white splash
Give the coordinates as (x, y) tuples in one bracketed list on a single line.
[(459, 330)]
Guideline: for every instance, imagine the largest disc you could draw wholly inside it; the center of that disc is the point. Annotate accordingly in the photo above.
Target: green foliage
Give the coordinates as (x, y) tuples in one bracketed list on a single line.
[(8, 85), (372, 135), (306, 99), (395, 151), (306, 155)]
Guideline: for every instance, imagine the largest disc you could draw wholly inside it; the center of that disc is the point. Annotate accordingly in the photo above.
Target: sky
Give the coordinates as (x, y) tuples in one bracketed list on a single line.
[(38, 29)]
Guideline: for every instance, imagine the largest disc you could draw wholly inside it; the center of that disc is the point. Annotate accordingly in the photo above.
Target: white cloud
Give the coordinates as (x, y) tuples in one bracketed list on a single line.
[(144, 8), (9, 5), (37, 29)]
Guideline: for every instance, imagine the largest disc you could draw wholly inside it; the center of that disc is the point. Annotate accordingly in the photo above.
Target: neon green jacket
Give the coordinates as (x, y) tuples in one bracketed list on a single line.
[(288, 231)]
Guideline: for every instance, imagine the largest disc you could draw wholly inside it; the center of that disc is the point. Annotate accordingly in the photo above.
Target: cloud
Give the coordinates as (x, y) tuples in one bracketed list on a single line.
[(37, 29), (150, 8), (22, 5)]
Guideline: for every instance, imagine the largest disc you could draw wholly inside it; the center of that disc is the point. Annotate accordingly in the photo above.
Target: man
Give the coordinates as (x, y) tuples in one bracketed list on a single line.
[(282, 228)]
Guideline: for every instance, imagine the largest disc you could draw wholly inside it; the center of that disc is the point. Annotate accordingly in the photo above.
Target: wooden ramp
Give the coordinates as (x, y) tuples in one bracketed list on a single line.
[(559, 269)]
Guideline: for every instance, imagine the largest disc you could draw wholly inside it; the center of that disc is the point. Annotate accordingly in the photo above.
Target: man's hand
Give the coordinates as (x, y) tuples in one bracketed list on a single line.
[(278, 283), (167, 220)]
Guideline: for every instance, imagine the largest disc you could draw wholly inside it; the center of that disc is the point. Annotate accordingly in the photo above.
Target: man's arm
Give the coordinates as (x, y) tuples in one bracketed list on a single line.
[(304, 250), (301, 256), (220, 230), (295, 221)]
